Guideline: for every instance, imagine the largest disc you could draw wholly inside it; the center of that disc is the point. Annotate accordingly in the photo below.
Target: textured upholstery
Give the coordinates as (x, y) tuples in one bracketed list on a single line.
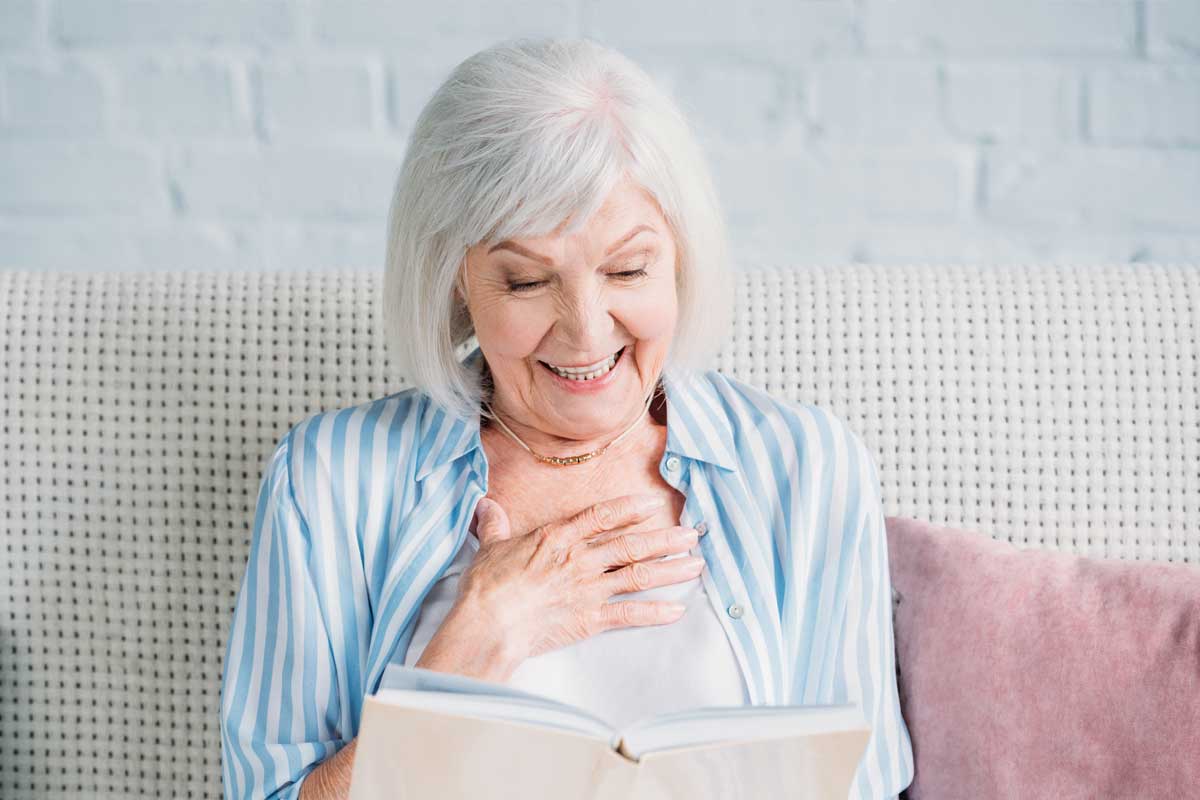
[(1053, 406)]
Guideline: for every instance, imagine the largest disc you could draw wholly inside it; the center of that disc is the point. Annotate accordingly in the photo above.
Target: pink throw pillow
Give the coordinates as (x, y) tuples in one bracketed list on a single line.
[(1031, 673)]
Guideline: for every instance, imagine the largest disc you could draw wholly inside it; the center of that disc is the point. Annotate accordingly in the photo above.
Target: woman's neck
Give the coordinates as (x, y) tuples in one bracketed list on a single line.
[(534, 493), (620, 438)]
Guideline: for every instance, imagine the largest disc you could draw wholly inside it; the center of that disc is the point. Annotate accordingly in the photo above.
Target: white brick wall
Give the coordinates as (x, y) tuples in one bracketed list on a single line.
[(229, 134)]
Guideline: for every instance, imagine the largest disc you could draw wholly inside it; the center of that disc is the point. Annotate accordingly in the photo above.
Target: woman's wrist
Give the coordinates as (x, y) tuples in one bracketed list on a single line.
[(467, 644), (330, 780)]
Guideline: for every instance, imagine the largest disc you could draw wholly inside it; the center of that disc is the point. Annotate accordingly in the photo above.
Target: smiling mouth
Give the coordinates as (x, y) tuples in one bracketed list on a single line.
[(584, 375)]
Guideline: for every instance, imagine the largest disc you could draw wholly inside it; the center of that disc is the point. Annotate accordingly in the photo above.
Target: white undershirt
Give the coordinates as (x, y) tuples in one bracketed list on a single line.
[(620, 675)]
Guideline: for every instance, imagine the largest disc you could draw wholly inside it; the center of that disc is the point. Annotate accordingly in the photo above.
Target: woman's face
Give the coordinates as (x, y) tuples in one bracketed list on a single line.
[(573, 301)]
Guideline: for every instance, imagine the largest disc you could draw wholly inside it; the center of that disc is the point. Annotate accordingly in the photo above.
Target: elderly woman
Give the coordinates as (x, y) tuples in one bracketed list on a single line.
[(654, 536)]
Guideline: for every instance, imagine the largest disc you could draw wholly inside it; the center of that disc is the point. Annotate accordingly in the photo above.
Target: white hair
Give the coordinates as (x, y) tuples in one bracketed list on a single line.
[(519, 139)]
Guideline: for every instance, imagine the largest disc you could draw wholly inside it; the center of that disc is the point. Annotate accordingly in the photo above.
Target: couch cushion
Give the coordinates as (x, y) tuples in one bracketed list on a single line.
[(1032, 673)]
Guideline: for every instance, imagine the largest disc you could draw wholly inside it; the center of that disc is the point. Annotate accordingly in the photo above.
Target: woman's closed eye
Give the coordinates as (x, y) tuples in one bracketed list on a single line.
[(627, 275)]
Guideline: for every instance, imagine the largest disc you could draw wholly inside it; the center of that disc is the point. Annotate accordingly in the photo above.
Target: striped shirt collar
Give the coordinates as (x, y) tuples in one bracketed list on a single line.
[(697, 427)]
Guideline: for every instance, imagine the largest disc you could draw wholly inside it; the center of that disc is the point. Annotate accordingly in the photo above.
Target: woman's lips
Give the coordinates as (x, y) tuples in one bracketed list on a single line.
[(594, 385), (599, 361)]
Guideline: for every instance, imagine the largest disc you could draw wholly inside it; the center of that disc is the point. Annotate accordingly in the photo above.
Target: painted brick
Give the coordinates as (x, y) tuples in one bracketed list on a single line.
[(1098, 246), (267, 135), (128, 245), (197, 245), (1145, 104), (1013, 102), (808, 243), (742, 103), (324, 247), (53, 244), (835, 184), (386, 24), (190, 100), (757, 243), (805, 27), (415, 72), (1125, 188), (1173, 28), (728, 94), (288, 180), (939, 244), (137, 22), (18, 23), (56, 177), (313, 99), (975, 27), (876, 102), (64, 100), (1011, 245)]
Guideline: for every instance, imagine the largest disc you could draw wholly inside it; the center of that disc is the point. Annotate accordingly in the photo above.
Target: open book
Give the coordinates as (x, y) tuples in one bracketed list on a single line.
[(428, 734)]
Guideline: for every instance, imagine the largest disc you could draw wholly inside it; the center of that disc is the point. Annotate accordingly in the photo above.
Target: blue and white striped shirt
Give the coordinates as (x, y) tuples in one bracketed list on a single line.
[(361, 509)]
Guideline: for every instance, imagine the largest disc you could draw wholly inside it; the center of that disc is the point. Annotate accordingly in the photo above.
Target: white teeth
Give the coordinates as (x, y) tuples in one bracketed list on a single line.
[(588, 373)]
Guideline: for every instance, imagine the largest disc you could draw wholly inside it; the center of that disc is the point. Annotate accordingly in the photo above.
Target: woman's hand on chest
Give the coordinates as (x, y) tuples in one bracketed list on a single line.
[(526, 593)]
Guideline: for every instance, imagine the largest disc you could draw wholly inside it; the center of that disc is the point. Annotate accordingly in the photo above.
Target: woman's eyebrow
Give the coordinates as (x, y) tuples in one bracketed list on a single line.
[(549, 262), (516, 248), (624, 239)]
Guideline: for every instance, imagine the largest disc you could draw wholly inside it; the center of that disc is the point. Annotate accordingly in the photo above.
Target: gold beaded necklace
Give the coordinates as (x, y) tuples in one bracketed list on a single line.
[(562, 461)]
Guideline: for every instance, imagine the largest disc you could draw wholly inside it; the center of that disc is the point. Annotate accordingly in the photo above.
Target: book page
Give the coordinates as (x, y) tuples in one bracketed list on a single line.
[(493, 696), (513, 709), (416, 754), (814, 767), (735, 723)]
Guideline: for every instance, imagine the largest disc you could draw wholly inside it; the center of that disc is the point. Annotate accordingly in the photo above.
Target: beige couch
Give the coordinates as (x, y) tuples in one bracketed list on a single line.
[(1043, 404)]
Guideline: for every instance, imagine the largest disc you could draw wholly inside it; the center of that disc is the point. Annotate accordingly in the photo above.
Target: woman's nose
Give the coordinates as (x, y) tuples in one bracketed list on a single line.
[(586, 324)]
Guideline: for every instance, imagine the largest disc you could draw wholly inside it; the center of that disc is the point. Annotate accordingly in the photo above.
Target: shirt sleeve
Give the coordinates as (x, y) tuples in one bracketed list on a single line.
[(869, 657), (275, 721)]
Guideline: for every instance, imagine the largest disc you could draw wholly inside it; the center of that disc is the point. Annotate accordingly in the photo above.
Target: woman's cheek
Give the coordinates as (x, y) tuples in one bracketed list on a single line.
[(651, 322), (651, 315), (519, 327)]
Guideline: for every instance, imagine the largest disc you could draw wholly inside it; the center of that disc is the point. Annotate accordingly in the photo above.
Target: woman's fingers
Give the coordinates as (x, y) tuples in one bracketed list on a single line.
[(639, 546), (642, 575), (638, 612), (491, 521), (606, 515)]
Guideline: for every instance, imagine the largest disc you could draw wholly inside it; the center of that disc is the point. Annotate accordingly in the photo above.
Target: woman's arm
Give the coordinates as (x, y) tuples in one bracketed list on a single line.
[(466, 644), (331, 779), (279, 690)]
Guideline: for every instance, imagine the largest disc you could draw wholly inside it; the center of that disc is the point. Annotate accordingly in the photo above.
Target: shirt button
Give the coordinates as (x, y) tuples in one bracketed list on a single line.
[(701, 526), (673, 464), (735, 611)]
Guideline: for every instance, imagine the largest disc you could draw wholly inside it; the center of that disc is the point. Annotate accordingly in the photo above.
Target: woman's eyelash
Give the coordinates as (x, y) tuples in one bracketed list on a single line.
[(631, 273), (627, 275)]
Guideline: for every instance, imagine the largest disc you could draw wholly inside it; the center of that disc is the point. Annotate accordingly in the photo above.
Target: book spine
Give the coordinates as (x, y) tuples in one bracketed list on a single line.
[(614, 777)]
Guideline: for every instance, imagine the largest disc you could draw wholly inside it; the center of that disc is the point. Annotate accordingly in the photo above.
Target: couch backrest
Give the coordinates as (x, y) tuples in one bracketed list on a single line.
[(1052, 406)]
